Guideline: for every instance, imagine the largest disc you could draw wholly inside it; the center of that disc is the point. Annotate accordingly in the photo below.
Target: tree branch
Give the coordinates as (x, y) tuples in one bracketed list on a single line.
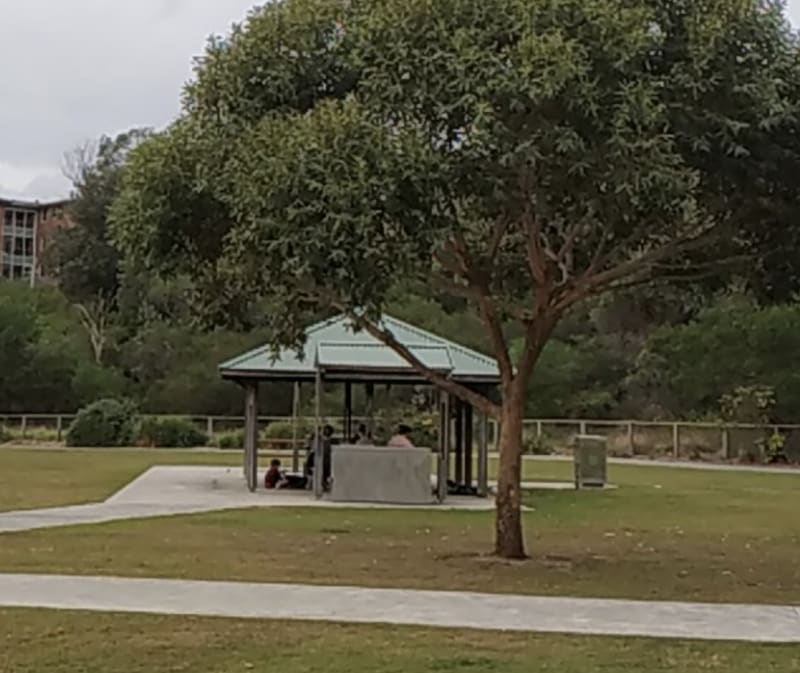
[(439, 380), (493, 324), (477, 288), (332, 300), (595, 283)]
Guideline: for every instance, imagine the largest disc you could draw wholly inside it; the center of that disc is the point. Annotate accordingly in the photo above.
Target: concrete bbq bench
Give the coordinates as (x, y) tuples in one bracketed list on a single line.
[(380, 474)]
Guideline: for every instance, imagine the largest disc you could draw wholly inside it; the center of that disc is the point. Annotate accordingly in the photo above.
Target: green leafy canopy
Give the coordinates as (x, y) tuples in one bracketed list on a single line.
[(522, 153)]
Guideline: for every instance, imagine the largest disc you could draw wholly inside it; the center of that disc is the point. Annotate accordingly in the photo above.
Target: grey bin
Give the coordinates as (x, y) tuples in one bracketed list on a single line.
[(590, 461)]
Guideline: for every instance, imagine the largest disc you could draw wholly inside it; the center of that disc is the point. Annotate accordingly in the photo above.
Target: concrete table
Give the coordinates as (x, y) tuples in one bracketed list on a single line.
[(398, 476)]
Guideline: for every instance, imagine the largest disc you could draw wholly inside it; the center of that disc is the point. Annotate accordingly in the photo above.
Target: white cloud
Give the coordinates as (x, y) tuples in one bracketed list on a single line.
[(75, 69)]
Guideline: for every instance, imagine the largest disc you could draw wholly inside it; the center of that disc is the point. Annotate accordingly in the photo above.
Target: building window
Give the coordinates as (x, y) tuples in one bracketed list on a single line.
[(19, 232)]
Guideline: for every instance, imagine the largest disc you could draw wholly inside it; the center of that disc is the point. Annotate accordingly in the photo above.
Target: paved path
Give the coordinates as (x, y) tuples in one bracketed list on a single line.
[(682, 464), (776, 624), (174, 490)]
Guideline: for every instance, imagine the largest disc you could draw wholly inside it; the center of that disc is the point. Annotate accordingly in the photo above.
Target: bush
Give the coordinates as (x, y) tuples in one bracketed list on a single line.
[(104, 423), (232, 439), (284, 432), (171, 433), (537, 446), (5, 435)]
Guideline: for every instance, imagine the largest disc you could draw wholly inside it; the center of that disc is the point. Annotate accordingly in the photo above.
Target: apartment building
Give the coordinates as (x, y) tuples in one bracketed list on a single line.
[(26, 227)]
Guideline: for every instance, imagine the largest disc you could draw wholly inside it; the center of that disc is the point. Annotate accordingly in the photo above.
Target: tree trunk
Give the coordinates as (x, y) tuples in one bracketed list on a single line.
[(509, 542)]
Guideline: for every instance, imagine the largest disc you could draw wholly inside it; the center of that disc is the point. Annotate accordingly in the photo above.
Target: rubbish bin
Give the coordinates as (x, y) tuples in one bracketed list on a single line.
[(590, 461)]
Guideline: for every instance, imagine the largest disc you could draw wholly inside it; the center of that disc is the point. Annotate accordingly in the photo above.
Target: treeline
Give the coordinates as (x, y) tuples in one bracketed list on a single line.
[(106, 329), (729, 358)]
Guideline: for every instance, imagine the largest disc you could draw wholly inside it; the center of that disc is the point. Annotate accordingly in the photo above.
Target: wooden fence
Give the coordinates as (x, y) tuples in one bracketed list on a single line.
[(676, 440)]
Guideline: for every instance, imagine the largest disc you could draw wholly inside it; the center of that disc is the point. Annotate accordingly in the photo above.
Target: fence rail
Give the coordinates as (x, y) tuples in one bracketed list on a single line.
[(678, 440)]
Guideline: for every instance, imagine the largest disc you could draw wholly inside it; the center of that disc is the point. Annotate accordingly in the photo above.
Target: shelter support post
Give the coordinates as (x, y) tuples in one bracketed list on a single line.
[(370, 395), (444, 447), (319, 484), (459, 442), (483, 456), (348, 411), (468, 437), (251, 435), (295, 414)]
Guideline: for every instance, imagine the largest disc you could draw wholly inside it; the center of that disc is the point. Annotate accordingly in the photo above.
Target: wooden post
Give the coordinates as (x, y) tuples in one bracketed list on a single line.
[(295, 409), (210, 427), (251, 435), (23, 426), (631, 444), (539, 430), (582, 428), (726, 449), (370, 394), (459, 443), (444, 446), (676, 440), (468, 449), (348, 412), (319, 484), (59, 428), (483, 456)]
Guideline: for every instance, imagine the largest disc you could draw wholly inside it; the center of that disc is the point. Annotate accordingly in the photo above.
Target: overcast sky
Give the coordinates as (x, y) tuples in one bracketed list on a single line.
[(72, 70)]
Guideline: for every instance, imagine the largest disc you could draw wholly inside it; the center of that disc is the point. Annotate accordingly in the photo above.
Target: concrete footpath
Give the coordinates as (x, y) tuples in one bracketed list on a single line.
[(174, 490), (753, 623), (678, 464)]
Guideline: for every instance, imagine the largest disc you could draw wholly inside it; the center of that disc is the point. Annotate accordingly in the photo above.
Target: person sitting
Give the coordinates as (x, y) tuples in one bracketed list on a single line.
[(274, 478), (363, 437), (402, 438)]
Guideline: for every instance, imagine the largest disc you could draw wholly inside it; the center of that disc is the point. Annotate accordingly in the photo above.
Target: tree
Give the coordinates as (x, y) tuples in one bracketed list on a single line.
[(95, 318), (81, 257), (687, 369), (522, 155)]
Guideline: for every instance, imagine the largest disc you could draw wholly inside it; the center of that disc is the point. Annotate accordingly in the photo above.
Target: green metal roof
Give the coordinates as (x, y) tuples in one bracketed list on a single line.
[(334, 345)]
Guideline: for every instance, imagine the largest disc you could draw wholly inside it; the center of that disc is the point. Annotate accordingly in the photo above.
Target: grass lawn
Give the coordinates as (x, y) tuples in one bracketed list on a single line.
[(665, 534), (32, 478), (58, 642)]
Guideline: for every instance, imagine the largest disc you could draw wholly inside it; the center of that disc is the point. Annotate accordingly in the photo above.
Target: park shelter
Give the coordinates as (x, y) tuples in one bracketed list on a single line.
[(335, 352)]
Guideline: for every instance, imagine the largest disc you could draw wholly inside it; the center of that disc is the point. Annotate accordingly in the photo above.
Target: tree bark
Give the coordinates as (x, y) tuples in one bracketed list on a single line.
[(509, 541)]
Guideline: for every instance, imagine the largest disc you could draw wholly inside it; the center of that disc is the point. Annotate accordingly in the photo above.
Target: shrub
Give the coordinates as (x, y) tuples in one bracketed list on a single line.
[(171, 433), (283, 431), (537, 445), (5, 435), (232, 439), (104, 423)]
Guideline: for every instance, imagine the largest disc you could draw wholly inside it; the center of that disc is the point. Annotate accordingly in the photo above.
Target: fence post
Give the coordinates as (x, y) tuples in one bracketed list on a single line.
[(59, 427), (538, 429), (631, 444), (23, 426), (726, 449), (582, 427), (210, 427), (676, 440)]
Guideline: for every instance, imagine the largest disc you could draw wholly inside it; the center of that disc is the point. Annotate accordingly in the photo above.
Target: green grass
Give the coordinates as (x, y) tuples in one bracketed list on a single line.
[(664, 534), (31, 478), (57, 642)]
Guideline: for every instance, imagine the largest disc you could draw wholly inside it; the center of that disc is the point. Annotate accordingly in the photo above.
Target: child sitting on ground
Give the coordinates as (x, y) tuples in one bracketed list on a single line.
[(274, 477)]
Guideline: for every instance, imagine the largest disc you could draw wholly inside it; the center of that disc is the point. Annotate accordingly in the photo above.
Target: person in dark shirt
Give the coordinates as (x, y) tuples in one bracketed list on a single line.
[(274, 477)]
